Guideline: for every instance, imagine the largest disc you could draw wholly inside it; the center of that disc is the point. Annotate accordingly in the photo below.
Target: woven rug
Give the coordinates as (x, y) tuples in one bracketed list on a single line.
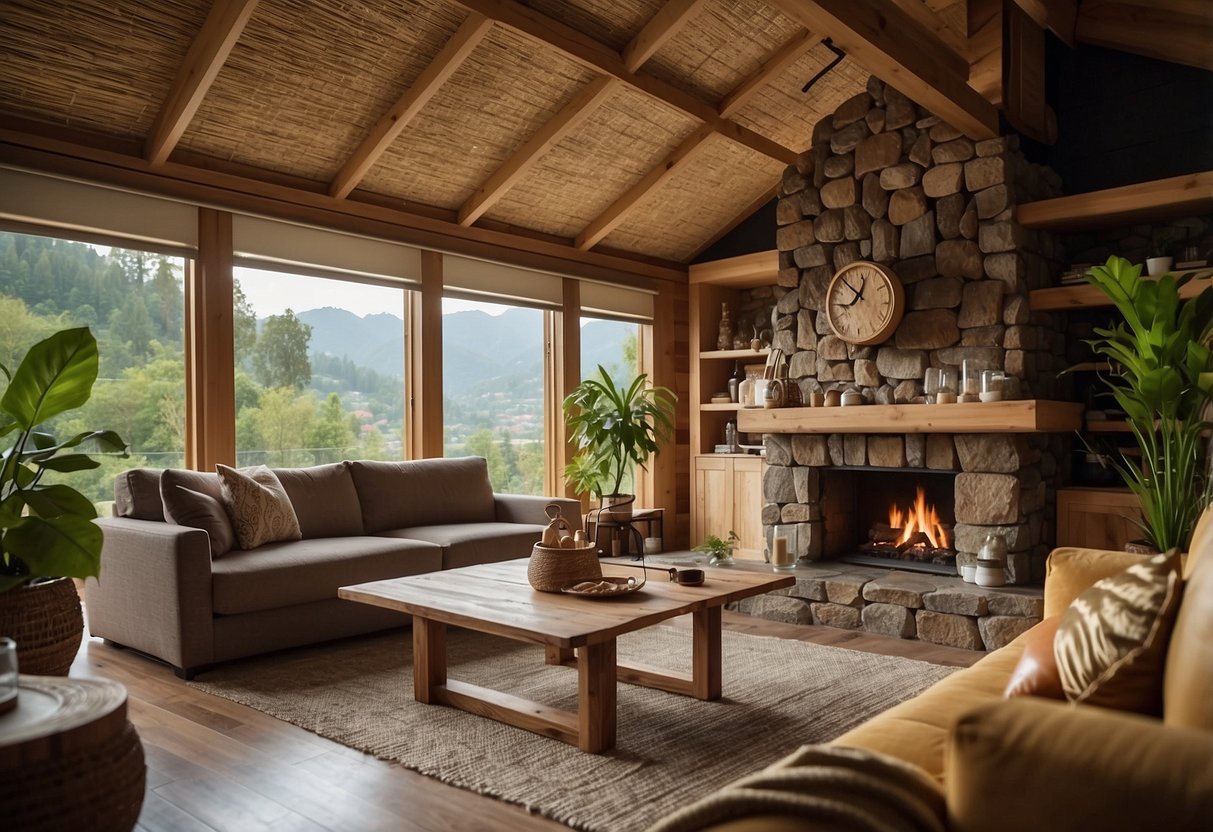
[(778, 695)]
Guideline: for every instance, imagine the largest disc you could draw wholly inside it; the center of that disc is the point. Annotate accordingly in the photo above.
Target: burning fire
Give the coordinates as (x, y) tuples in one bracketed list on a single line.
[(919, 517)]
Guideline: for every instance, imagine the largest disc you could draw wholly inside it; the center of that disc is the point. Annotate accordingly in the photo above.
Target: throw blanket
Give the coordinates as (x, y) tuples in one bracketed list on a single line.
[(825, 788)]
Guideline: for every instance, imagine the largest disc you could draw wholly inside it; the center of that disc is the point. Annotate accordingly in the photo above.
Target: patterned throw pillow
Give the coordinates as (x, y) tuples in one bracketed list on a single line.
[(260, 510), (1112, 642)]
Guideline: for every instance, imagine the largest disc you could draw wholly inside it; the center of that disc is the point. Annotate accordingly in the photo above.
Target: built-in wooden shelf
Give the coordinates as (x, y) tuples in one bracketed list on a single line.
[(1144, 202), (734, 354), (720, 406), (742, 272), (1027, 416), (1086, 296)]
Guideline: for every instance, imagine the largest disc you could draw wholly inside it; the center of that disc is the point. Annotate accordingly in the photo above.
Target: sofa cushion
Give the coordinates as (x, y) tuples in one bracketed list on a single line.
[(1112, 641), (137, 494), (300, 571), (324, 500), (395, 495), (467, 544), (198, 509), (917, 730), (1036, 673), (260, 510), (1188, 677)]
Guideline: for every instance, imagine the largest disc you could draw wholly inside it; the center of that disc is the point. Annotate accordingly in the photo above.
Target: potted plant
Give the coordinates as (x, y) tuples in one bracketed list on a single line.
[(615, 428), (719, 552), (1162, 378), (1158, 257), (47, 536)]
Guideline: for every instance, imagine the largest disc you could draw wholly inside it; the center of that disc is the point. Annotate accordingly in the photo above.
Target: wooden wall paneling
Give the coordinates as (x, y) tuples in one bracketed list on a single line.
[(1024, 77), (425, 361), (210, 382), (1098, 518)]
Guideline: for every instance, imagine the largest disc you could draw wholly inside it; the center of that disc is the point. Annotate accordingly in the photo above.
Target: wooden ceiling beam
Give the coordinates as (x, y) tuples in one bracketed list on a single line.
[(610, 219), (1058, 16), (1165, 31), (664, 25), (466, 38), (206, 56), (891, 45), (580, 107), (601, 58), (771, 68)]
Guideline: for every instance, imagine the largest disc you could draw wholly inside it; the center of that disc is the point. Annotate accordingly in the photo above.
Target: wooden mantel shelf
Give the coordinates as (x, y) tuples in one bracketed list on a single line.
[(1030, 416)]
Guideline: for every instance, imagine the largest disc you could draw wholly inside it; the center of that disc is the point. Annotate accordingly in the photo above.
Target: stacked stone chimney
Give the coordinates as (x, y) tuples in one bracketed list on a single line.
[(888, 181)]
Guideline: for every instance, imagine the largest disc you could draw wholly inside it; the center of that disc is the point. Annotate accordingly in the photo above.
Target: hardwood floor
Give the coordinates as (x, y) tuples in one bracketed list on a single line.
[(216, 765)]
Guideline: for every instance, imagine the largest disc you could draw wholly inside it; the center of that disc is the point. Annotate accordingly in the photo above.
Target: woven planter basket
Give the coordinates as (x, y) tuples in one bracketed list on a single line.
[(552, 568), (46, 622)]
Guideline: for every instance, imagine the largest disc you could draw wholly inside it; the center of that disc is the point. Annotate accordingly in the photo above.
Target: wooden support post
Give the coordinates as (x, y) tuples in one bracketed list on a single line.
[(425, 361), (210, 385), (429, 659), (596, 697), (705, 647)]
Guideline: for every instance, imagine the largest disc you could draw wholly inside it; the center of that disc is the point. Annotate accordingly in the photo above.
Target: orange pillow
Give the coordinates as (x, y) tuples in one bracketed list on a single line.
[(1036, 674)]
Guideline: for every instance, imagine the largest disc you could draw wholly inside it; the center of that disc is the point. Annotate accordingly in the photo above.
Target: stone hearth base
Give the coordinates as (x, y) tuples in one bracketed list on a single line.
[(935, 608)]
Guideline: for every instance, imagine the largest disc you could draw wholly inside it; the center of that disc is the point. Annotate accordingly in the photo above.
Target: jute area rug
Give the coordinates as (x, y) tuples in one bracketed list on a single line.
[(778, 695)]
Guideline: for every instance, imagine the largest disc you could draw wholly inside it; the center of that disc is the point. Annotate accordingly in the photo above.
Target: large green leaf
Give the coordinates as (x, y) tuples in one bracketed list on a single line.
[(58, 500), (67, 546), (56, 375)]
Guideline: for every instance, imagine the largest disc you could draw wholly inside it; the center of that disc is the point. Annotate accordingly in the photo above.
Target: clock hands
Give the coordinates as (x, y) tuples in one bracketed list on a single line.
[(858, 292)]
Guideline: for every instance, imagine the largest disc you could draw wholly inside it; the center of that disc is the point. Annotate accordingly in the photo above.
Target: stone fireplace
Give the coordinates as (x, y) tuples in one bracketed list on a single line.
[(887, 181)]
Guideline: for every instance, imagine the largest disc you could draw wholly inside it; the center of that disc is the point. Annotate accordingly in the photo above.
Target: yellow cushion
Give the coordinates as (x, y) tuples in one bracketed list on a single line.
[(917, 729), (1188, 677), (1112, 642), (1036, 764), (1070, 570)]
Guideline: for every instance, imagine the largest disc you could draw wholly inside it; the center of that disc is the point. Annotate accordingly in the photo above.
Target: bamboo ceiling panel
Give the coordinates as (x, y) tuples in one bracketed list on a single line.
[(614, 22), (100, 65), (506, 90), (306, 81), (625, 138), (721, 46), (784, 112), (697, 201)]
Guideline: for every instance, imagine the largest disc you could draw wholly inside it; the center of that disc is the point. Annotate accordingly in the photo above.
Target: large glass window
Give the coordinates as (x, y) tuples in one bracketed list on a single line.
[(319, 369), (493, 392), (134, 303)]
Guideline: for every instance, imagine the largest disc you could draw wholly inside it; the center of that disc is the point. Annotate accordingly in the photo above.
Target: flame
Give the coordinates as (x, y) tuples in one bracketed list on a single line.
[(919, 517)]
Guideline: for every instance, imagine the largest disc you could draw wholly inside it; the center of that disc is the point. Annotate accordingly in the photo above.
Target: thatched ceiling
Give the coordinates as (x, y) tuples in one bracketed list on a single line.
[(502, 125)]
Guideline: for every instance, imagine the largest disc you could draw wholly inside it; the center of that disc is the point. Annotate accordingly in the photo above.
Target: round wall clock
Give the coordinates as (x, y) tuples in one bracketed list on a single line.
[(864, 303)]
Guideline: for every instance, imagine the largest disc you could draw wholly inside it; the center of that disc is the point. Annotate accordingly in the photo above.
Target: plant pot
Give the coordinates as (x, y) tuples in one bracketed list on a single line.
[(1156, 266), (45, 620), (616, 508)]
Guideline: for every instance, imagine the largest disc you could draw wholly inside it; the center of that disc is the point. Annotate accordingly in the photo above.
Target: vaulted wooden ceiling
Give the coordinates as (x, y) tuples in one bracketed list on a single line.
[(634, 127)]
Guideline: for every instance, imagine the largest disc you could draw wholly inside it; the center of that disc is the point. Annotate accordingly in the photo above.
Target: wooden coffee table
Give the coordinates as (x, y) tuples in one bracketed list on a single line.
[(496, 598)]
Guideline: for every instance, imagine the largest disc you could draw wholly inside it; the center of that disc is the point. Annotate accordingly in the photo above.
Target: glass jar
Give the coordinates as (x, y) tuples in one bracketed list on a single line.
[(992, 385), (781, 550), (990, 573)]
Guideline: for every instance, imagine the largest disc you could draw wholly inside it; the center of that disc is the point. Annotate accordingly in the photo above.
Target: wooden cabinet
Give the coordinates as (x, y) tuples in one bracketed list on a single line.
[(1098, 518), (728, 497)]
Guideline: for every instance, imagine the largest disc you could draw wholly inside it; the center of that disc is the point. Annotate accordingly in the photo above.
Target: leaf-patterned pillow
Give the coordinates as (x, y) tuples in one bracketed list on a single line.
[(257, 503), (1112, 642)]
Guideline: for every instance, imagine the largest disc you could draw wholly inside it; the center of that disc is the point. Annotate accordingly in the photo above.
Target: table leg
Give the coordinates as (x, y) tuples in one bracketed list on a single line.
[(557, 655), (705, 654), (429, 659), (596, 697)]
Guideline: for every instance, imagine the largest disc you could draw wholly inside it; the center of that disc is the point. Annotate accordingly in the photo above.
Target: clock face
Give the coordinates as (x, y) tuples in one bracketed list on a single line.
[(864, 303)]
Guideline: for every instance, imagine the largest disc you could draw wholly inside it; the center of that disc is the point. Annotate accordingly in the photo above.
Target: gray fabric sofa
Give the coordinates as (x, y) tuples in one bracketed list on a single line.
[(161, 592)]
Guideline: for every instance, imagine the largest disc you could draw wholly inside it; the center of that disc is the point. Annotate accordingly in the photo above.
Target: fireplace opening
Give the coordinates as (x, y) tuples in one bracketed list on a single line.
[(903, 520)]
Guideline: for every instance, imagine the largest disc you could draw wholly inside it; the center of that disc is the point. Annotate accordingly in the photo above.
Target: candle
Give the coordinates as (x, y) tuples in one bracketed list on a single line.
[(779, 554)]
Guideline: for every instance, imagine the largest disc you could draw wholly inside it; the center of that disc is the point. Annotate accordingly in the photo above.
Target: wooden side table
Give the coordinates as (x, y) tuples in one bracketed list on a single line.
[(70, 758)]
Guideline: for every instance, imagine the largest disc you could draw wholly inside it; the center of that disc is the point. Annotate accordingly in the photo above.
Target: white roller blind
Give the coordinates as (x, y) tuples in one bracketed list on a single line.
[(263, 241), (501, 283), (97, 210), (616, 301)]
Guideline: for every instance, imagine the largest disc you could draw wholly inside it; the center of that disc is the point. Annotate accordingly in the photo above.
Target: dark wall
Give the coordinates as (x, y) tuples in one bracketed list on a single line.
[(1121, 119)]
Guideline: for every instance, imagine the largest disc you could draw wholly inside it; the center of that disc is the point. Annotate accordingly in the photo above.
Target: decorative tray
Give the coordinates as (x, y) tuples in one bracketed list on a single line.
[(609, 587)]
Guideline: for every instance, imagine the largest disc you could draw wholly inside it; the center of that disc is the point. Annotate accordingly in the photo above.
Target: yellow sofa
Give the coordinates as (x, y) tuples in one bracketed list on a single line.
[(1028, 763)]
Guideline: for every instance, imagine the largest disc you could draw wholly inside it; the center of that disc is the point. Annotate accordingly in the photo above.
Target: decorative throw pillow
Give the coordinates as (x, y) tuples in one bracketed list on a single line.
[(257, 503), (187, 506), (1036, 674), (1112, 642)]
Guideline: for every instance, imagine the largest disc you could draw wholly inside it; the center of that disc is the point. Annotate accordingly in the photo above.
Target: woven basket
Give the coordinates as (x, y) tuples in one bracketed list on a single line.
[(551, 569), (45, 620)]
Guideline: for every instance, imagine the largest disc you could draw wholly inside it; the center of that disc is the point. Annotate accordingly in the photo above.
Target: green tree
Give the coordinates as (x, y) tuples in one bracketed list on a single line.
[(169, 304), (284, 421), (244, 324), (332, 435), (281, 357), (372, 445)]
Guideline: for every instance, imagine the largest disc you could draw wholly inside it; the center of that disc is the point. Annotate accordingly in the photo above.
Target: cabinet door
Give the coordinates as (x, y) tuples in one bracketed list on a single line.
[(713, 509), (747, 508), (1097, 518)]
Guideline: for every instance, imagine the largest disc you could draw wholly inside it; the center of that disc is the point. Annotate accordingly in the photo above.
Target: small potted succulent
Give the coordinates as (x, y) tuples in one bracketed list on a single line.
[(47, 536)]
